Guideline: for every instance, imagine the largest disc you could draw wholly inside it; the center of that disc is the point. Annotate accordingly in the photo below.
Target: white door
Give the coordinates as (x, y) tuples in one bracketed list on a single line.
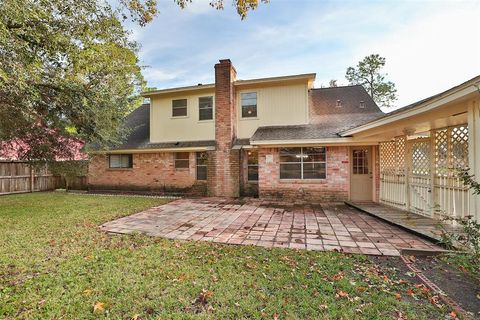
[(361, 174)]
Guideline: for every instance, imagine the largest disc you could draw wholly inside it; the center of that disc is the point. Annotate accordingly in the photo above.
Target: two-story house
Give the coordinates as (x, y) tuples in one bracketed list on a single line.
[(275, 137)]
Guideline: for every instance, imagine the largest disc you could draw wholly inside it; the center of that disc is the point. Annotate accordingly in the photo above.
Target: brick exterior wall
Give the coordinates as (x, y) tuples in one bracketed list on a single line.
[(150, 172), (224, 163), (334, 188)]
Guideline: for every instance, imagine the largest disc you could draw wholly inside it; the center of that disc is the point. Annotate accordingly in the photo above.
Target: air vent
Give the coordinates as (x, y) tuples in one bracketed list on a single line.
[(362, 104)]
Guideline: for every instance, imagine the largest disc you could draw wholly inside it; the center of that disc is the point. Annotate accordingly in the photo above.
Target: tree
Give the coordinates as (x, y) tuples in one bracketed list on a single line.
[(332, 83), (68, 70), (367, 73), (242, 6)]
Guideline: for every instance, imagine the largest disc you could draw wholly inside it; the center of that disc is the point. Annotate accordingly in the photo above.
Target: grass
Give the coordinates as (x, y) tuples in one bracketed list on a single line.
[(464, 262), (56, 264)]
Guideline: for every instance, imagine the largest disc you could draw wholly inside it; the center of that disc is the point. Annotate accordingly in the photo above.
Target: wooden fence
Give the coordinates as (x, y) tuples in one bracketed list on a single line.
[(19, 177)]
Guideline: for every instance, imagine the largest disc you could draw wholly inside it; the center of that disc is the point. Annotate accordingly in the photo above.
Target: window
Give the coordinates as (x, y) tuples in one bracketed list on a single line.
[(201, 166), (205, 105), (360, 161), (303, 163), (117, 161), (249, 105), (182, 160), (179, 108), (252, 165)]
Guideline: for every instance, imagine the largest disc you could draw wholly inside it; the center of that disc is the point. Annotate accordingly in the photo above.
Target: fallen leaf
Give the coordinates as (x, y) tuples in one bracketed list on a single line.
[(398, 296), (87, 292), (341, 294), (453, 315), (99, 306)]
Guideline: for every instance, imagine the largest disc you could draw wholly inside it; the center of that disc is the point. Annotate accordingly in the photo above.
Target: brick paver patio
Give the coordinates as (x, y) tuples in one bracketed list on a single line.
[(262, 223)]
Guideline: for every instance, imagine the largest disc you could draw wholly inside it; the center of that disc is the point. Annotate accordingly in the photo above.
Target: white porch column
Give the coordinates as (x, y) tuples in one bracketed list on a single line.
[(474, 152)]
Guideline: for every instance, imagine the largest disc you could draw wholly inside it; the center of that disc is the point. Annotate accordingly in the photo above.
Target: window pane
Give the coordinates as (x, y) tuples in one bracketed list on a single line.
[(201, 158), (179, 108), (313, 154), (249, 104), (249, 95), (201, 172), (181, 160), (314, 171), (181, 103), (120, 161), (252, 173), (115, 161), (205, 114), (181, 164), (360, 161), (249, 111), (290, 171), (290, 155), (182, 155), (205, 108), (252, 157), (179, 112), (126, 161)]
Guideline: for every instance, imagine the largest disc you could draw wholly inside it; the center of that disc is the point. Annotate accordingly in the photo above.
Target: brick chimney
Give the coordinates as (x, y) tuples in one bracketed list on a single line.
[(223, 168)]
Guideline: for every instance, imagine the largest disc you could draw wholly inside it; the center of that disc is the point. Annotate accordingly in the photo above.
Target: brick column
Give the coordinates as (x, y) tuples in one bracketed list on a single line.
[(224, 166)]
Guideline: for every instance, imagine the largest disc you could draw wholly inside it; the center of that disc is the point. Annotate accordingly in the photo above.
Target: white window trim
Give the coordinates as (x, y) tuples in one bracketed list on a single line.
[(213, 109), (178, 117), (241, 106)]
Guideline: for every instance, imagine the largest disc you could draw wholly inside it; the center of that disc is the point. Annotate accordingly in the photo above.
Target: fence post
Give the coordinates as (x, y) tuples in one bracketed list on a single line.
[(32, 178)]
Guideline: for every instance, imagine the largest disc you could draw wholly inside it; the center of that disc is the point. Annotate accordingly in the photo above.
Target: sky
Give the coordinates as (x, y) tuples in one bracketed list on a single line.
[(429, 46)]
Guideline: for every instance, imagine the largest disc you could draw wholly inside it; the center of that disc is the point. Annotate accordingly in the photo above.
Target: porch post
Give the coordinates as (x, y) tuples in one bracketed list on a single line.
[(474, 152)]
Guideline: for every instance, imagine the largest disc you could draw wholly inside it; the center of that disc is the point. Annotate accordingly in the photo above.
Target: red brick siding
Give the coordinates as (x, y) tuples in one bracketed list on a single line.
[(334, 188), (151, 171), (224, 179)]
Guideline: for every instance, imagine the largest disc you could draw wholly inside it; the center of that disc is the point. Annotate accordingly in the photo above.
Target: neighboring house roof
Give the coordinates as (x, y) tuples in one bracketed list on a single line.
[(15, 150), (332, 110), (138, 136)]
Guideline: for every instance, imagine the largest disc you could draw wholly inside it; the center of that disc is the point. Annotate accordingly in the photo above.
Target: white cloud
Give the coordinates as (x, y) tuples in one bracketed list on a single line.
[(431, 54)]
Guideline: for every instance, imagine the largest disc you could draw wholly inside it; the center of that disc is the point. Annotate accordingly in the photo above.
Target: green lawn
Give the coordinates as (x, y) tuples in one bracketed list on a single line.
[(56, 264)]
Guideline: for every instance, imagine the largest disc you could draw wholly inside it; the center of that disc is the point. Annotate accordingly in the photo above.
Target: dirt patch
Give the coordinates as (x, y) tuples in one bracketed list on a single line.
[(459, 285)]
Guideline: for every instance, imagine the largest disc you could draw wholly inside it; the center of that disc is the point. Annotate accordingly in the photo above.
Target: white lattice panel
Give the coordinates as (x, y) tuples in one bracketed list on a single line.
[(459, 149), (420, 154), (441, 152), (387, 154), (400, 153)]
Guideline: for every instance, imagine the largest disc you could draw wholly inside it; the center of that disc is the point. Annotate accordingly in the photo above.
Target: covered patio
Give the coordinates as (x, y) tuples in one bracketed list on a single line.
[(422, 150)]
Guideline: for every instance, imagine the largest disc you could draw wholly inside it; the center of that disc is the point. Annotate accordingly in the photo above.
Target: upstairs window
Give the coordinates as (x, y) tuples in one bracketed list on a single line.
[(182, 160), (303, 163), (249, 105), (120, 161), (205, 105), (179, 108)]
